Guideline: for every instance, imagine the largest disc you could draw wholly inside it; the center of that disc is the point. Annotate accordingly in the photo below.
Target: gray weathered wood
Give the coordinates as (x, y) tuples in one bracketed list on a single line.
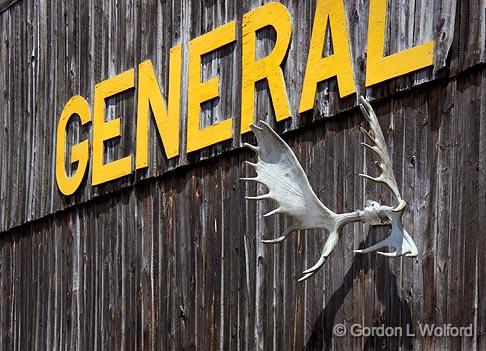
[(53, 50), (170, 258)]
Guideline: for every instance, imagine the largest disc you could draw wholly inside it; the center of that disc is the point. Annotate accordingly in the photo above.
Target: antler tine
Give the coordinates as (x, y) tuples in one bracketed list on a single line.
[(387, 176), (398, 238), (279, 170), (329, 246), (284, 235)]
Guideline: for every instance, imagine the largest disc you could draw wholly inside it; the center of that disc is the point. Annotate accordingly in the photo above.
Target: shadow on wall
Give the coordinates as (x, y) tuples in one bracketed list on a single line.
[(386, 292)]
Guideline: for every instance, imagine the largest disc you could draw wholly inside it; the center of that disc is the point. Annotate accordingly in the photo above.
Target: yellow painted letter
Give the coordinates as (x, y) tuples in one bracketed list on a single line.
[(166, 117), (79, 152), (106, 130), (199, 92), (276, 15), (380, 68), (338, 64)]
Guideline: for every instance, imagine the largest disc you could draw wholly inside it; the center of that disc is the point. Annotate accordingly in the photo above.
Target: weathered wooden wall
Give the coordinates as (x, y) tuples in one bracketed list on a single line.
[(171, 258), (52, 50)]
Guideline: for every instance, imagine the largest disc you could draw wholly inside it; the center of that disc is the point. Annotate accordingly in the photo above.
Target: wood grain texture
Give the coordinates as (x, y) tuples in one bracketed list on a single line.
[(170, 258), (176, 262), (5, 4), (52, 50)]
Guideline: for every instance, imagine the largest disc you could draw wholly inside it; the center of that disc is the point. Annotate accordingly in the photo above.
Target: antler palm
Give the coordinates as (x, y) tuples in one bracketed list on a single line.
[(280, 171)]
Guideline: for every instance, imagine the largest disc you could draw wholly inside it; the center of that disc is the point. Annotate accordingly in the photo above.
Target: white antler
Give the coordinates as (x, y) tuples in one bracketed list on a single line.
[(279, 170), (399, 237), (384, 164)]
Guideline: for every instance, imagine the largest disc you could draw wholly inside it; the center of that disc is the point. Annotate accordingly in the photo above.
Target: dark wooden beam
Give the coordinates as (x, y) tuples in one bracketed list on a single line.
[(5, 4)]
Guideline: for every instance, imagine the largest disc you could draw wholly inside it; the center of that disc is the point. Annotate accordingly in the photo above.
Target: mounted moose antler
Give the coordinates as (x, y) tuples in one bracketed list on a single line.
[(279, 170)]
